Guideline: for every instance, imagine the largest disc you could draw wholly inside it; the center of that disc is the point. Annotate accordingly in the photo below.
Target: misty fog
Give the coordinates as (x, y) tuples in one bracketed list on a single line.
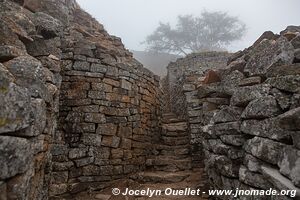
[(133, 20)]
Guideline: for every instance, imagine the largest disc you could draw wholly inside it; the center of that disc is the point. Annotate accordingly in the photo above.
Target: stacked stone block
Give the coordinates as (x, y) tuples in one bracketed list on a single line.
[(77, 111), (172, 152), (109, 112), (29, 94), (251, 136)]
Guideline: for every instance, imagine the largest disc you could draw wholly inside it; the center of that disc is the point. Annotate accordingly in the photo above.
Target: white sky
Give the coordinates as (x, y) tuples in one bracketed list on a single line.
[(133, 20)]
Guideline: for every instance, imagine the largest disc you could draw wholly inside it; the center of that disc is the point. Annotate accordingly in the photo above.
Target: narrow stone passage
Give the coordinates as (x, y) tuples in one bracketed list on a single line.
[(169, 168)]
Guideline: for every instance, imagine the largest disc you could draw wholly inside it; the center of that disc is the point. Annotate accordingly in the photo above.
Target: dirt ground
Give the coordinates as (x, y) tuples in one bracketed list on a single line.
[(193, 180)]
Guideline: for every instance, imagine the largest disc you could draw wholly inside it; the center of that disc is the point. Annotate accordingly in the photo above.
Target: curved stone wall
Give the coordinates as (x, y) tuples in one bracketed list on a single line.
[(77, 111)]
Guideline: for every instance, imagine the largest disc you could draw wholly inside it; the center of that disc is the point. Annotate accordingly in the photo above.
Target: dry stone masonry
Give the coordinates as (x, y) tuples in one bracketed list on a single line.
[(78, 113), (248, 121)]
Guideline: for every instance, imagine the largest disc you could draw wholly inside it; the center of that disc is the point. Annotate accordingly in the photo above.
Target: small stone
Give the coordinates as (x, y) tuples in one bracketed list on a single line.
[(211, 77), (95, 118), (111, 141), (227, 114), (268, 128), (253, 179), (126, 84), (81, 66), (264, 149), (111, 82), (250, 81), (107, 129), (84, 161), (91, 139), (267, 53), (290, 164), (15, 156), (283, 70), (263, 107), (242, 96)]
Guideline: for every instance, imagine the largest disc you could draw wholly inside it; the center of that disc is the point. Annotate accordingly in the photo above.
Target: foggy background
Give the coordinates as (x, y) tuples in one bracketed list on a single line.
[(133, 20)]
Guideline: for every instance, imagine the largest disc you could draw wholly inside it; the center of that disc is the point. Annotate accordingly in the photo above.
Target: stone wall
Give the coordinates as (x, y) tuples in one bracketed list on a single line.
[(250, 117), (109, 115), (77, 111), (29, 95), (180, 95), (186, 70)]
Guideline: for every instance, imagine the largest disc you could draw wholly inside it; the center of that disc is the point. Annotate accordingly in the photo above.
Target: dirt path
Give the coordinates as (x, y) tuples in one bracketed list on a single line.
[(191, 179)]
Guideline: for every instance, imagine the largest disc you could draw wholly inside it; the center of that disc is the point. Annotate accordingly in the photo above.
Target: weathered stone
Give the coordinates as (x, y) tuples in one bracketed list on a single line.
[(296, 42), (279, 181), (60, 177), (107, 129), (224, 165), (261, 108), (8, 52), (91, 139), (95, 118), (290, 165), (268, 128), (253, 179), (62, 166), (15, 156), (229, 128), (290, 120), (81, 66), (235, 140), (188, 87), (99, 153), (98, 68), (242, 96), (125, 84), (84, 161), (111, 141), (77, 153), (230, 82), (125, 132), (269, 35), (117, 153), (283, 70), (47, 26), (16, 112), (102, 87), (250, 81), (29, 73), (218, 147), (111, 82), (91, 170), (59, 149), (211, 77), (264, 149), (17, 187), (288, 83), (252, 164), (267, 53), (57, 189), (227, 114), (296, 139), (181, 126), (283, 99)]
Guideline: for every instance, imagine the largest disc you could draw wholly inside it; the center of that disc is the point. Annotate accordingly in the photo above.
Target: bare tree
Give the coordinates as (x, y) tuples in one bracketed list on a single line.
[(210, 31)]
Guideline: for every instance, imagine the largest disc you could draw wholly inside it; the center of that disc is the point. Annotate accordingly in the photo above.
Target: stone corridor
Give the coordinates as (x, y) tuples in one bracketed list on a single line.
[(80, 116), (170, 167)]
